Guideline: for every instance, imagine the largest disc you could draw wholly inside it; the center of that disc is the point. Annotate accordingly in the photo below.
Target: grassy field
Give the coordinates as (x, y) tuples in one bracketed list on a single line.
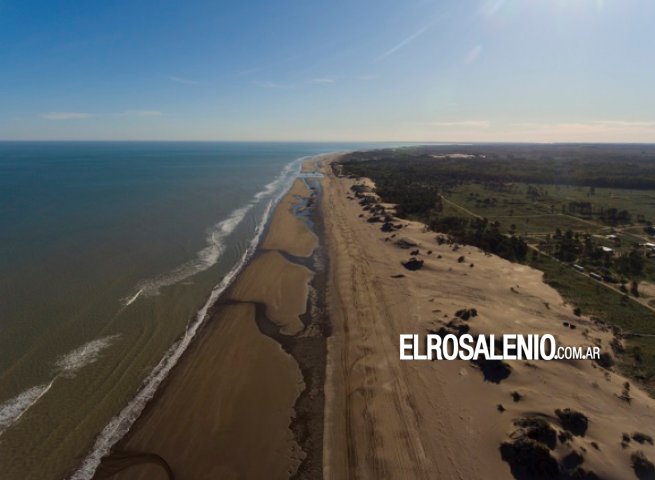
[(534, 217), (533, 220), (608, 306), (541, 213), (547, 208)]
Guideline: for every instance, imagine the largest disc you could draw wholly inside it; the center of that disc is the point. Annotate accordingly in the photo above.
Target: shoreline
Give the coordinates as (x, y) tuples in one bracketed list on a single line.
[(288, 245), (297, 362)]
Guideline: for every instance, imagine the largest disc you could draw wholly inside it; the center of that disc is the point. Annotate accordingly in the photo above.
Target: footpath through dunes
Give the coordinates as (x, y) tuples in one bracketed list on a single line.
[(387, 418), (245, 400)]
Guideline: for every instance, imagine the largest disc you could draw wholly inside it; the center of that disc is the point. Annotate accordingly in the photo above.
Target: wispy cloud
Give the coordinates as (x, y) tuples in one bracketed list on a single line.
[(404, 42), (249, 71), (463, 124), (84, 115), (66, 116), (473, 54), (140, 113), (587, 131), (591, 126), (270, 84), (184, 81), (626, 123), (323, 80), (491, 7)]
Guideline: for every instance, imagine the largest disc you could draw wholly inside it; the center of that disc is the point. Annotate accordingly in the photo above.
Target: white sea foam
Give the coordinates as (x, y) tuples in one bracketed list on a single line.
[(130, 300), (66, 365), (82, 356), (120, 424), (205, 258), (13, 409), (280, 179), (209, 255)]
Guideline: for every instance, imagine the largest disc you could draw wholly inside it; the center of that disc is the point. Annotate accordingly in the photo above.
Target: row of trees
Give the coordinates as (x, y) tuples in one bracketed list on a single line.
[(573, 247), (482, 234), (630, 172)]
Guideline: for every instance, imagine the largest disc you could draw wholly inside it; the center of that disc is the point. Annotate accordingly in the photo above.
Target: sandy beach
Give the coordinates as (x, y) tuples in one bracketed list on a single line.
[(297, 372), (232, 396), (447, 419)]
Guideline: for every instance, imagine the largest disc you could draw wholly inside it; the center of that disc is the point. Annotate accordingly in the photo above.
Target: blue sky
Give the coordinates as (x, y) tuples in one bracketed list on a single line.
[(414, 70)]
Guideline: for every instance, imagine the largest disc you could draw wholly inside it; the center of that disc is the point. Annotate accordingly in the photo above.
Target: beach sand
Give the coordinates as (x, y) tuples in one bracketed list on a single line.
[(287, 232), (226, 409), (284, 292), (246, 400), (387, 418)]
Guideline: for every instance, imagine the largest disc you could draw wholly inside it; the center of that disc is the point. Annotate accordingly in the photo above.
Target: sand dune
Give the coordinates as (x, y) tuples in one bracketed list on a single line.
[(441, 419)]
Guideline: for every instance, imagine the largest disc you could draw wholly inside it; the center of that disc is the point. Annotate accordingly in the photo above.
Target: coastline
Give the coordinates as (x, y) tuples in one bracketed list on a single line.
[(259, 393), (297, 363)]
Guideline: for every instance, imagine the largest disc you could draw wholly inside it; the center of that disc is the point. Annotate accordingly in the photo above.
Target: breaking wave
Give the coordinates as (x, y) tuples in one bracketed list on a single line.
[(121, 423), (211, 253), (85, 355), (13, 409), (66, 365)]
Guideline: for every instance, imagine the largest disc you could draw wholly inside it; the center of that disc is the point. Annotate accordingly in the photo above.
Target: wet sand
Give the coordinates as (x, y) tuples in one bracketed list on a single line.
[(288, 232), (229, 409)]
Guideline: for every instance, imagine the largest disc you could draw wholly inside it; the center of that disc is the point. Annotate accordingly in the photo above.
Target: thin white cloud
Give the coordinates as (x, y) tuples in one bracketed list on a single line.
[(403, 43), (586, 131), (491, 7), (184, 81), (66, 116), (626, 123), (270, 84), (84, 115), (323, 80), (463, 123), (249, 71), (141, 113), (594, 125), (473, 54)]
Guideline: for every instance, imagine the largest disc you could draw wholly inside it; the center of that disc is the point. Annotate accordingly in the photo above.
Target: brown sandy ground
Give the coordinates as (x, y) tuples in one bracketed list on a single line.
[(311, 164), (226, 409), (387, 418), (285, 295), (288, 232)]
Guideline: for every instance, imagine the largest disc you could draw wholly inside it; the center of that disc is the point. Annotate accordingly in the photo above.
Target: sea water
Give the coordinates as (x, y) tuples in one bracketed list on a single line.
[(110, 255)]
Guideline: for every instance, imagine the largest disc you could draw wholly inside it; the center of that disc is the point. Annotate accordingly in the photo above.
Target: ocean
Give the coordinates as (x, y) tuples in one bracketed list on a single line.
[(110, 255)]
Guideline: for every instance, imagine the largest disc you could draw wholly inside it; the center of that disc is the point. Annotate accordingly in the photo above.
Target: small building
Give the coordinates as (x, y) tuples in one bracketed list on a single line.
[(607, 250), (612, 237), (579, 268), (595, 276)]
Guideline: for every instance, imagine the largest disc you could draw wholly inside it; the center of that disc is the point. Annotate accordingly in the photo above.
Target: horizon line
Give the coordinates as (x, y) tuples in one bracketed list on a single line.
[(416, 142)]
